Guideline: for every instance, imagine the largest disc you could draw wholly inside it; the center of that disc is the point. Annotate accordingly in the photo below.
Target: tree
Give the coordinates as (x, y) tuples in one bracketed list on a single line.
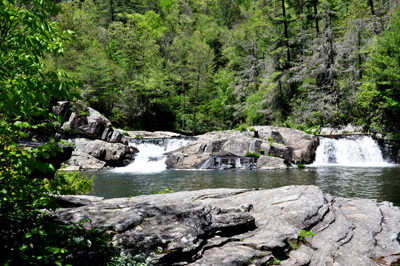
[(200, 64), (380, 95), (28, 235)]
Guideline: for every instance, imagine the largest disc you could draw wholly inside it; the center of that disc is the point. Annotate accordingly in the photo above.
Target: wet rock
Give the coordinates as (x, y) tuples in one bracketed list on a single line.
[(247, 227)]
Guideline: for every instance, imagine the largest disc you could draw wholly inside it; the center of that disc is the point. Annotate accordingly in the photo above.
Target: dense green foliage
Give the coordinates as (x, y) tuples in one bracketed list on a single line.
[(198, 66), (28, 235)]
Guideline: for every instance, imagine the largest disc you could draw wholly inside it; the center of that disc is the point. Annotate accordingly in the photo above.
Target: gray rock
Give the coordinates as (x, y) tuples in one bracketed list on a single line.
[(304, 145), (149, 134), (281, 151), (62, 108), (113, 154), (268, 162), (115, 137), (246, 227), (91, 126), (290, 144), (83, 161)]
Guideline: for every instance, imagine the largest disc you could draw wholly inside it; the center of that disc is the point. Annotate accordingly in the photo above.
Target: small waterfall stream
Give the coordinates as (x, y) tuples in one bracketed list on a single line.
[(150, 158), (360, 152)]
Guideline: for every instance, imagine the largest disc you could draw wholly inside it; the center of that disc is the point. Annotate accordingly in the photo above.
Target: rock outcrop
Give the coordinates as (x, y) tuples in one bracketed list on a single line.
[(81, 161), (303, 144), (92, 126), (114, 154), (286, 144), (224, 227)]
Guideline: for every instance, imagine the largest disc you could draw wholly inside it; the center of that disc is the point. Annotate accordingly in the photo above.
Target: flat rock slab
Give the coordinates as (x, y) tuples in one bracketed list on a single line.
[(218, 227)]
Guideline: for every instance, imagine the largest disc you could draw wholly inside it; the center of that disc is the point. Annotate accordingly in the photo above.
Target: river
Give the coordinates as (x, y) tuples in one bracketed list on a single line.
[(363, 174)]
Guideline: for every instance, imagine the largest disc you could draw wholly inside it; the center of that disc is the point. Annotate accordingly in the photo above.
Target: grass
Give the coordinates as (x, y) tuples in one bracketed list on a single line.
[(251, 154)]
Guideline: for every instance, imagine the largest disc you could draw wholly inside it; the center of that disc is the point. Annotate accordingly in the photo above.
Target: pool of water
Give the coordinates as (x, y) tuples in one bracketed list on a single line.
[(382, 183)]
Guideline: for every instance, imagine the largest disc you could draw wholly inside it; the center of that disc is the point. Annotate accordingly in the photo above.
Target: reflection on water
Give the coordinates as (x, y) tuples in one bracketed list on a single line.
[(382, 183)]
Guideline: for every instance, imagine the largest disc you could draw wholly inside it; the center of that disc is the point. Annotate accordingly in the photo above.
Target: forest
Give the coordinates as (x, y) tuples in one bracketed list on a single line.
[(190, 66), (195, 65)]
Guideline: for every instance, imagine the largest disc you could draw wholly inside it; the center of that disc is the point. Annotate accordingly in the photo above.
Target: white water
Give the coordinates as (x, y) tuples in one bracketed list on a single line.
[(150, 158), (361, 152)]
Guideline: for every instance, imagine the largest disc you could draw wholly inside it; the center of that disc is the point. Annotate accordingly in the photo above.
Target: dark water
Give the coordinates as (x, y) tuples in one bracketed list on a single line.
[(382, 183)]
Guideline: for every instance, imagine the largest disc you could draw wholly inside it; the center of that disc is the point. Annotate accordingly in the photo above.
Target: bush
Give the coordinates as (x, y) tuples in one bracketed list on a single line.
[(251, 154), (242, 128), (67, 143), (252, 129), (299, 165)]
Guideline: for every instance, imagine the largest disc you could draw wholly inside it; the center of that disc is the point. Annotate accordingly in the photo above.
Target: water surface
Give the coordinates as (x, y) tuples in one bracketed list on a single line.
[(382, 183)]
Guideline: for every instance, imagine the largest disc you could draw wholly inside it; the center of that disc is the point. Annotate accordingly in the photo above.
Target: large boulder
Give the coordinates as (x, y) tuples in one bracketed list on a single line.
[(304, 145), (92, 126), (81, 161), (294, 146), (269, 162), (114, 154), (215, 227)]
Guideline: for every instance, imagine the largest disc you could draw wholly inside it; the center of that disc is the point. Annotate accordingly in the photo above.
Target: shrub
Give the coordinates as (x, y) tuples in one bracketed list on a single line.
[(251, 154), (241, 128), (299, 165), (252, 129), (67, 143), (126, 134), (303, 234)]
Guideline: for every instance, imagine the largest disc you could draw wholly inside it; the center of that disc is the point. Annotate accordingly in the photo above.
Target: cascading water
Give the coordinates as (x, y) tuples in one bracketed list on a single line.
[(150, 158), (362, 151)]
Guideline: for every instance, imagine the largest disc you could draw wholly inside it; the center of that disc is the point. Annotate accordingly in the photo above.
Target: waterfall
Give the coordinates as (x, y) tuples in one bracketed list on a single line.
[(363, 151), (150, 158)]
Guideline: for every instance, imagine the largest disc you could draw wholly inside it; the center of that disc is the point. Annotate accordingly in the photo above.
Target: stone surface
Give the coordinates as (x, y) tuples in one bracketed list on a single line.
[(91, 126), (292, 145), (149, 134), (83, 161), (303, 144), (246, 227), (268, 162), (114, 154), (62, 108), (341, 129)]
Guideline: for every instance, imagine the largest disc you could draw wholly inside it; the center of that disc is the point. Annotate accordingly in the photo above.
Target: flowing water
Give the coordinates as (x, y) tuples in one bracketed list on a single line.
[(347, 168)]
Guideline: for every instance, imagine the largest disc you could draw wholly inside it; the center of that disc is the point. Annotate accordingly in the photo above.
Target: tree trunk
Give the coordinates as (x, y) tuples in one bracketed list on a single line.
[(371, 3), (195, 103), (184, 105), (316, 17), (112, 10), (285, 24)]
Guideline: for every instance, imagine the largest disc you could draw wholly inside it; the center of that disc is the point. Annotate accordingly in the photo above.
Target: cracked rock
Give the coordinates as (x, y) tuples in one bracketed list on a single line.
[(218, 227)]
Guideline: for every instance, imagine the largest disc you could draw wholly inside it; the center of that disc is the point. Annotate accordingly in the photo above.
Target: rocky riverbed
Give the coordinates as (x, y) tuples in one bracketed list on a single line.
[(246, 227)]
